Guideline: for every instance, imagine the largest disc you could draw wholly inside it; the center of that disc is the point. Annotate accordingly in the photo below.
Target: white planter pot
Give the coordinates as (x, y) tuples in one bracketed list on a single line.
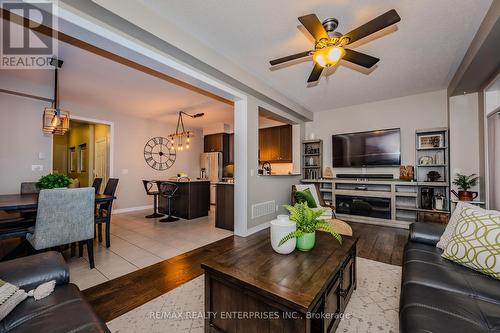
[(281, 227)]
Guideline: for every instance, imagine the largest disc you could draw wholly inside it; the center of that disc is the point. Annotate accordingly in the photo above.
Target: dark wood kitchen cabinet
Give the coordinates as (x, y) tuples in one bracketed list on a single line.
[(224, 207), (218, 143), (286, 143), (231, 148), (275, 144)]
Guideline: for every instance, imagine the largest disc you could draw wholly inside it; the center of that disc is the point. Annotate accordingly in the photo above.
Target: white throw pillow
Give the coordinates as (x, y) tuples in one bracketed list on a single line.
[(10, 297), (452, 223)]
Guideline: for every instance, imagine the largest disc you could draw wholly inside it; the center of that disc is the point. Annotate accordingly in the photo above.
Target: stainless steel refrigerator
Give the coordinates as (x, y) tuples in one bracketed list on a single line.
[(212, 163)]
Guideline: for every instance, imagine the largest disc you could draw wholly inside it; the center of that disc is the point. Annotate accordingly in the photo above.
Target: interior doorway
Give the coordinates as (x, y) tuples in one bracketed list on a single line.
[(83, 153)]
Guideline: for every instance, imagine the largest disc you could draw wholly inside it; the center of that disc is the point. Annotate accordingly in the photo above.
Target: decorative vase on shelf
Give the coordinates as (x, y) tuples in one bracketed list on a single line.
[(281, 227), (306, 242), (465, 195)]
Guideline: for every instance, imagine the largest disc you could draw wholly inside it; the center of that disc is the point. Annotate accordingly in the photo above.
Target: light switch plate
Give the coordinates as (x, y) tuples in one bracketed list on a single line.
[(37, 168), (41, 156)]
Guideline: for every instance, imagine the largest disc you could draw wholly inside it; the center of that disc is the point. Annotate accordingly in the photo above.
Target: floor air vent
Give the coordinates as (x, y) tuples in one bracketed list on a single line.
[(263, 209)]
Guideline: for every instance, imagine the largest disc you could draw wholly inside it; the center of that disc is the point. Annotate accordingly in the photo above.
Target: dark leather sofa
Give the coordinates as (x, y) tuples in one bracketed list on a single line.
[(65, 310), (439, 296)]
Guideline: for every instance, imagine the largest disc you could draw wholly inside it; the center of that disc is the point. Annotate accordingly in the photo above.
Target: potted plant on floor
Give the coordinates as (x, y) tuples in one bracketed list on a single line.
[(464, 183), (307, 220), (53, 180)]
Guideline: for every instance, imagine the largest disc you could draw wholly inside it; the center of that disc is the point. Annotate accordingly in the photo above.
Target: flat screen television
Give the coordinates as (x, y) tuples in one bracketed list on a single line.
[(367, 149)]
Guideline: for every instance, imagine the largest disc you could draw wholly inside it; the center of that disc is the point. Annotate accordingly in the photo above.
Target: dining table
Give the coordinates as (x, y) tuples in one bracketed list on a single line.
[(10, 202)]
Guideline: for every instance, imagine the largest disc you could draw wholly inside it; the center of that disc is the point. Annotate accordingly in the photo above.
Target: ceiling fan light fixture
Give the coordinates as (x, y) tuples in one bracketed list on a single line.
[(328, 56)]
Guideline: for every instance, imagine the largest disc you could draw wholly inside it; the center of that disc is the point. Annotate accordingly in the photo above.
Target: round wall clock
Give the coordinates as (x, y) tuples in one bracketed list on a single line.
[(159, 153)]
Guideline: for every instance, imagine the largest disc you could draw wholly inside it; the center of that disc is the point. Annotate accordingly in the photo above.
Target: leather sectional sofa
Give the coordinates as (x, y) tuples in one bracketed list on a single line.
[(439, 296), (65, 310)]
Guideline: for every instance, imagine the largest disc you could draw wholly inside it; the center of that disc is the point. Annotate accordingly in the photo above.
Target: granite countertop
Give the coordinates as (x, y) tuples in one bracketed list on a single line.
[(224, 183), (282, 175), (184, 180)]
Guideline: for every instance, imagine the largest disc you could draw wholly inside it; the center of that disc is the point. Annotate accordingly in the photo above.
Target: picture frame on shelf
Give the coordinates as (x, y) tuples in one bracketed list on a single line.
[(431, 141), (426, 160)]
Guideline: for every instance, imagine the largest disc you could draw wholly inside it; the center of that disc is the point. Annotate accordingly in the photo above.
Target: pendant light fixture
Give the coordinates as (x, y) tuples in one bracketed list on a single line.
[(55, 120), (182, 138)]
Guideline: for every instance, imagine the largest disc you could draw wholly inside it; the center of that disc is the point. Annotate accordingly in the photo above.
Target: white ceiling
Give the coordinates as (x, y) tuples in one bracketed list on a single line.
[(90, 80), (420, 54)]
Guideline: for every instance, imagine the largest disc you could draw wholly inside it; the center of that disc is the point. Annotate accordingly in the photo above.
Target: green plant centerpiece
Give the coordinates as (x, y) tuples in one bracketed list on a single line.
[(464, 183), (53, 180), (307, 220)]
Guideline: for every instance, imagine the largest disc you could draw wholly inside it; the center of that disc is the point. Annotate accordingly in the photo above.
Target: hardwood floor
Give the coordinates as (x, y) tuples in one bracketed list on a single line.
[(118, 296)]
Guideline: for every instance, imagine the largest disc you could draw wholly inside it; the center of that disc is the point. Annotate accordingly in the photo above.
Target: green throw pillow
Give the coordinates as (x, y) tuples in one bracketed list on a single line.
[(306, 196), (476, 242)]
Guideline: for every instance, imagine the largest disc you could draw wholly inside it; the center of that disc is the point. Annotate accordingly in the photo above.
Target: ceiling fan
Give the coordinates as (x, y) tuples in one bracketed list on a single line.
[(330, 45)]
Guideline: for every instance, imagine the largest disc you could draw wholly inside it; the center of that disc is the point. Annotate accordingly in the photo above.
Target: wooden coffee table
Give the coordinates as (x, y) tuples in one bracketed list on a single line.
[(254, 289)]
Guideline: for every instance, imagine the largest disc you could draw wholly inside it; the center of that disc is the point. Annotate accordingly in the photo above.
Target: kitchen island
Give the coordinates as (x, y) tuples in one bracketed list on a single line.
[(191, 201)]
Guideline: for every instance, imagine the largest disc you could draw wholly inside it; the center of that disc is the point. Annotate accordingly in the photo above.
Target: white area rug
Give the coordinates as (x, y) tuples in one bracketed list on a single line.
[(373, 306)]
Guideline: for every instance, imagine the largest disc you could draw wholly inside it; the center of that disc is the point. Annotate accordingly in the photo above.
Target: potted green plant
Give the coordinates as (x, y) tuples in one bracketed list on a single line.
[(464, 183), (53, 180), (307, 220)]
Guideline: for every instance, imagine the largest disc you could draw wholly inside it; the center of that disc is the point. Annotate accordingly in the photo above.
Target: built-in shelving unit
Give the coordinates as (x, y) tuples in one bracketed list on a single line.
[(392, 202), (432, 155), (392, 189), (312, 159)]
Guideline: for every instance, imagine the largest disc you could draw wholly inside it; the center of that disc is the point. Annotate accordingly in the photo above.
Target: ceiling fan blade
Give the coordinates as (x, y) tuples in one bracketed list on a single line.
[(359, 58), (289, 58), (314, 26), (315, 74), (373, 26)]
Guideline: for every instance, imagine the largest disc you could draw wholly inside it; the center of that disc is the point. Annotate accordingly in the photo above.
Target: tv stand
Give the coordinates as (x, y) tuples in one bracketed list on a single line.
[(387, 202), (365, 176)]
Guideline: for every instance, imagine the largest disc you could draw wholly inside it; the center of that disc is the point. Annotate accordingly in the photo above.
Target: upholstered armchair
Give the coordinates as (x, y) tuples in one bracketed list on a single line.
[(318, 198)]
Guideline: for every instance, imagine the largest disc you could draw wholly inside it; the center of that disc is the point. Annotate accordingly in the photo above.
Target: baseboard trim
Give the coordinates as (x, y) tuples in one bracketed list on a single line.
[(258, 228), (130, 209)]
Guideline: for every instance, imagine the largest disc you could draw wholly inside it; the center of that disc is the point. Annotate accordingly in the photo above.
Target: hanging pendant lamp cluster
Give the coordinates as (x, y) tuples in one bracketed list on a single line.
[(181, 138), (55, 120)]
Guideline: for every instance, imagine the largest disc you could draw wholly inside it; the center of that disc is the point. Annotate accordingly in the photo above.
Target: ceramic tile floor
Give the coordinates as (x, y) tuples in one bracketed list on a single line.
[(137, 242)]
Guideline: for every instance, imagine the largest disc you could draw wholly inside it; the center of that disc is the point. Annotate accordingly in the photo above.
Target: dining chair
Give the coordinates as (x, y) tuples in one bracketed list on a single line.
[(29, 214), (103, 212), (169, 190), (29, 188), (152, 188), (96, 184), (64, 216)]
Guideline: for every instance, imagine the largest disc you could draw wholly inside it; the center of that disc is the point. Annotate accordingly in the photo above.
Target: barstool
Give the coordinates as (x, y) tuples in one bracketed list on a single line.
[(168, 190), (148, 186)]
